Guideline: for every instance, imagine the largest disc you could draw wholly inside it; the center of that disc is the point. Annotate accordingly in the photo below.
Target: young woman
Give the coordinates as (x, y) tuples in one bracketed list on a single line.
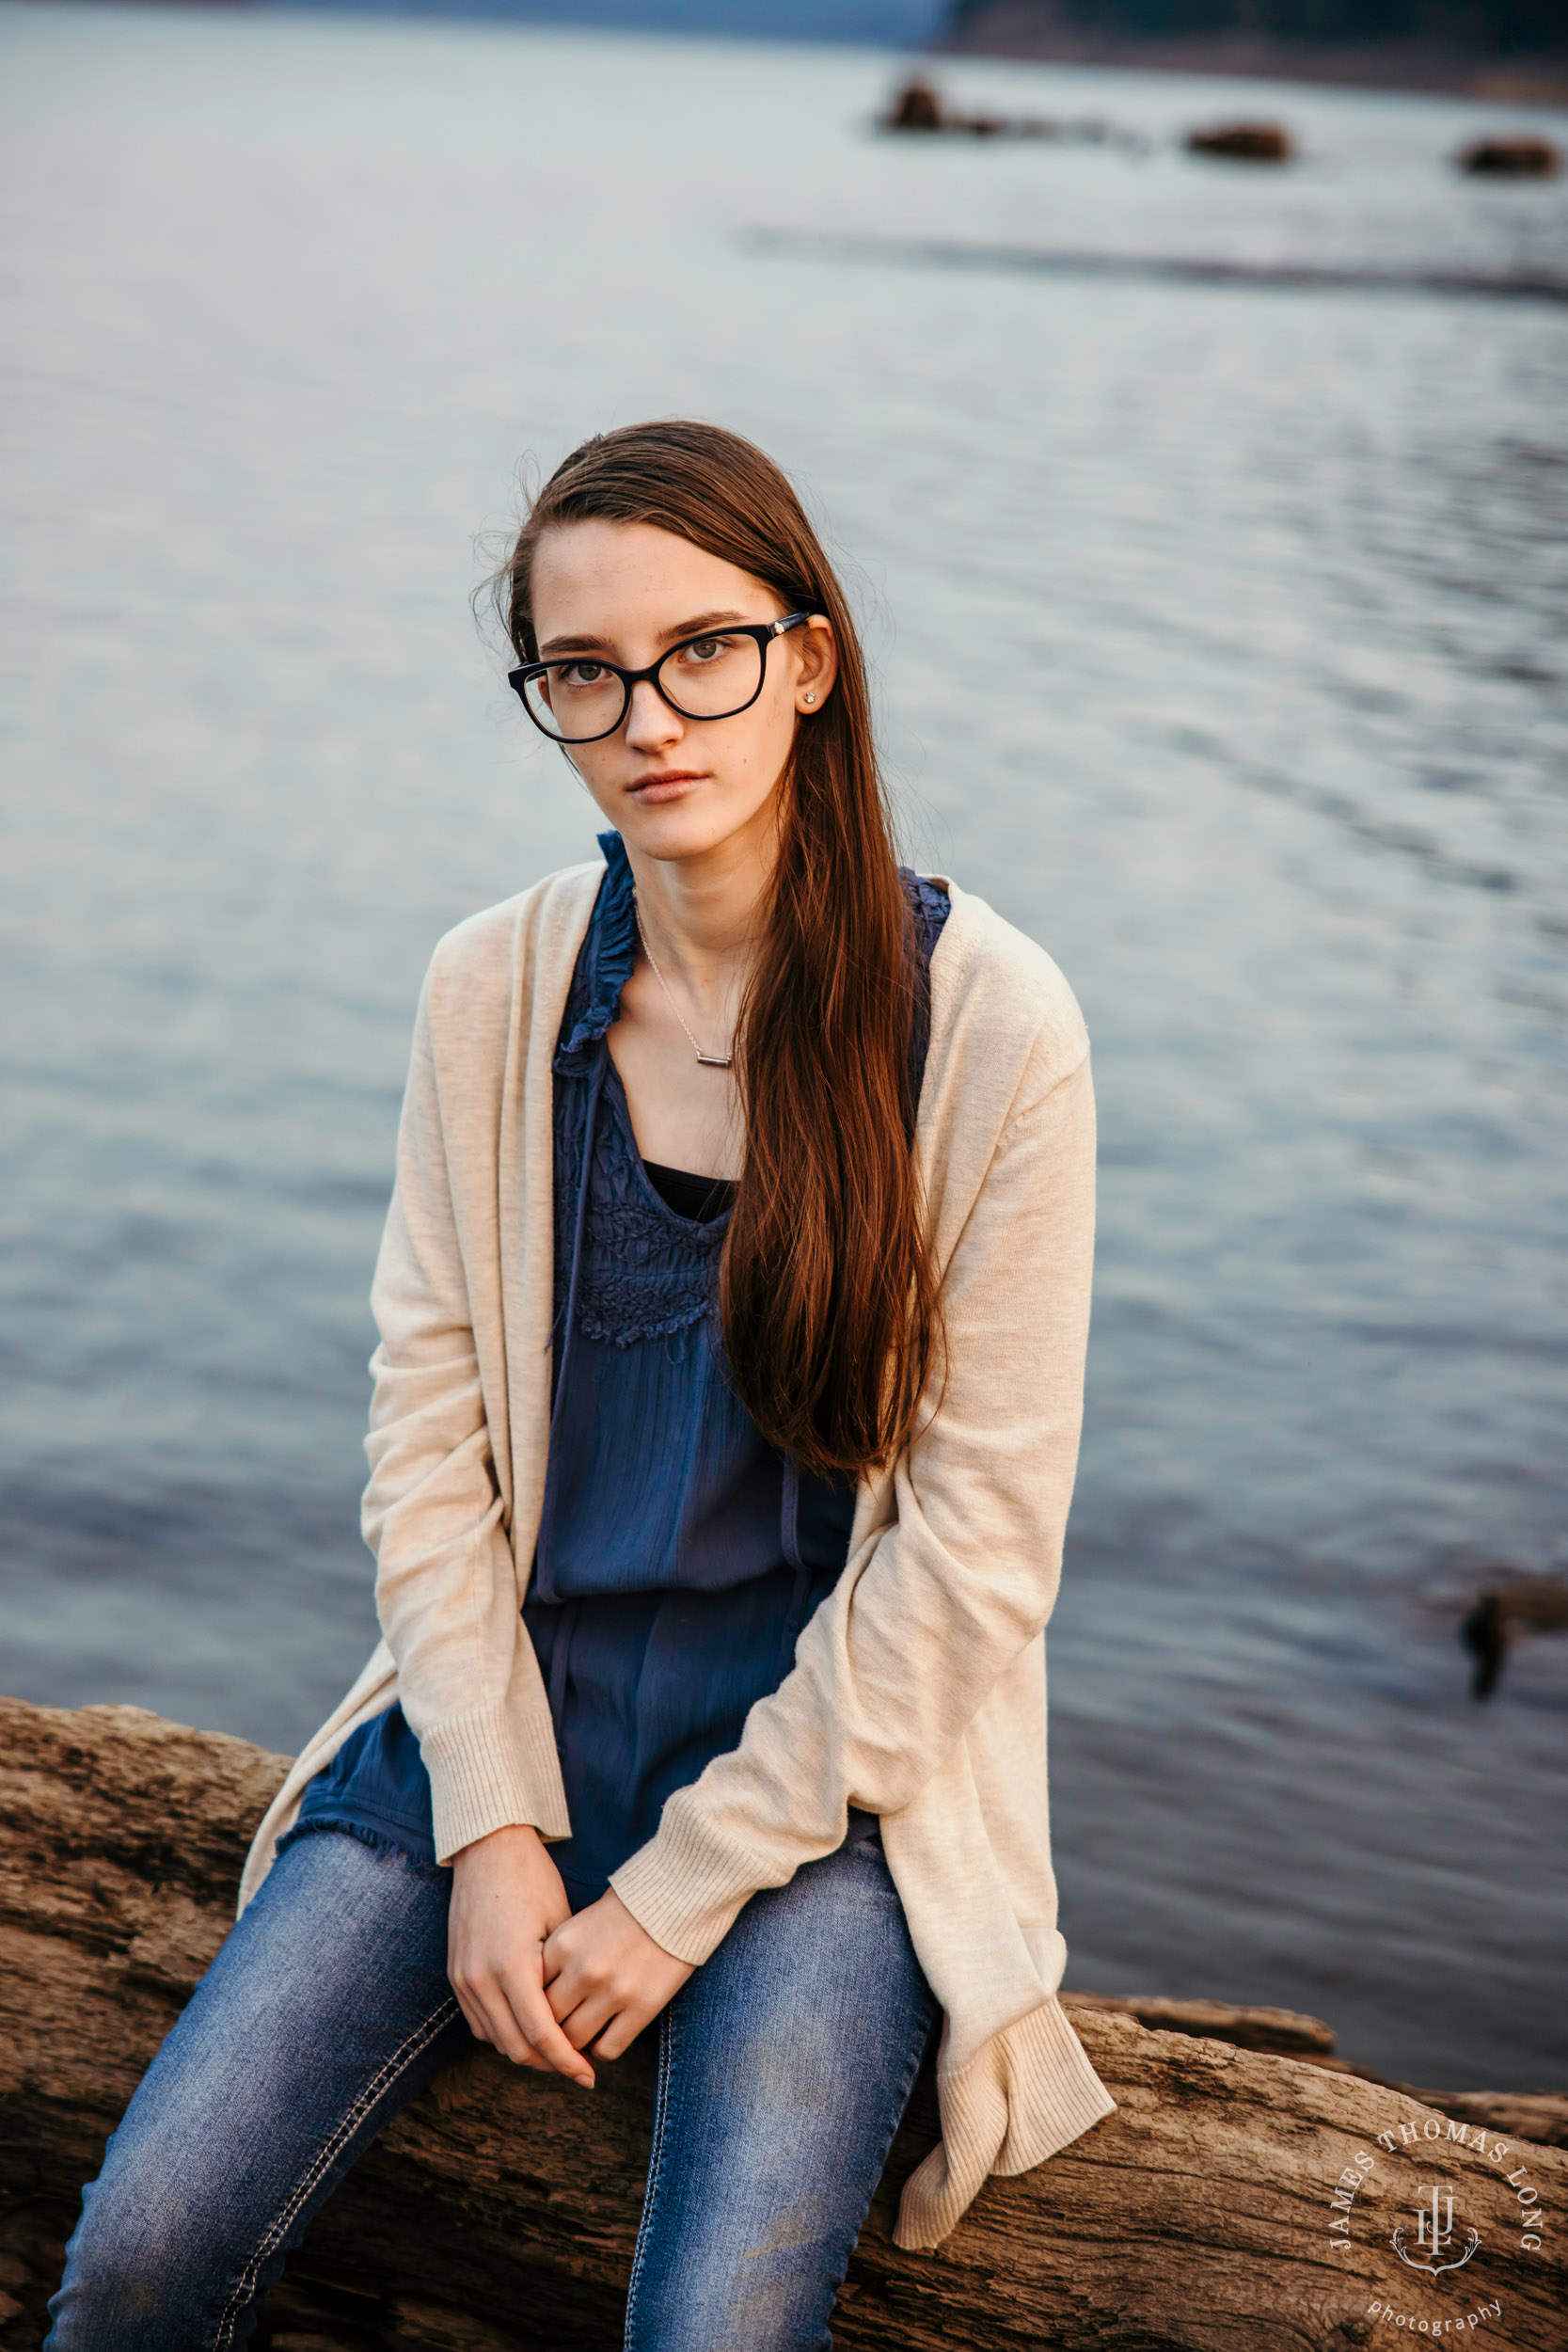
[(733, 1306)]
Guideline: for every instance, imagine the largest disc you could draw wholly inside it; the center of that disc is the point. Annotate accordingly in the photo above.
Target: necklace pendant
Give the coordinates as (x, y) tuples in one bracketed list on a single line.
[(709, 1061)]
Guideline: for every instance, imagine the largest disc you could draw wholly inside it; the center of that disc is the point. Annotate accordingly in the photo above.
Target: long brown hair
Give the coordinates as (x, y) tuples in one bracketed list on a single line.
[(827, 1290)]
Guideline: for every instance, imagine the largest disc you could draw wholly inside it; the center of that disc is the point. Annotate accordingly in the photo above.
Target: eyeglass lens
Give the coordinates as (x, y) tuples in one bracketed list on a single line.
[(712, 677)]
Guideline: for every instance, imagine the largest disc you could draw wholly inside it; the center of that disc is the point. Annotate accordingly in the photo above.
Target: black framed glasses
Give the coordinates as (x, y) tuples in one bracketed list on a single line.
[(577, 698)]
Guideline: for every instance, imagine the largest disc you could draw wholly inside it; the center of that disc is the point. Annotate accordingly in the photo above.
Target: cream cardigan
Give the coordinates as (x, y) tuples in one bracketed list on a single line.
[(918, 1690)]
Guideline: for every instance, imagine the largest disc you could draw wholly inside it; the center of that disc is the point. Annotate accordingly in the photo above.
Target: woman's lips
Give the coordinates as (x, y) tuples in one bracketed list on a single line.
[(665, 783)]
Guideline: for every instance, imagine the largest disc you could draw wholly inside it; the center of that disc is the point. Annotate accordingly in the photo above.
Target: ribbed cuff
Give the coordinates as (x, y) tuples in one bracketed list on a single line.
[(1029, 2093), (686, 1889), (1055, 2094), (489, 1769)]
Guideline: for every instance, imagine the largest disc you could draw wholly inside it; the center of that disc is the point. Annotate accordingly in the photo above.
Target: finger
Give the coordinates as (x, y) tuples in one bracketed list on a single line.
[(592, 2014), (564, 1991), (472, 2008), (499, 2026), (472, 2017), (467, 1995), (579, 1977), (532, 2017), (523, 2054), (622, 2030)]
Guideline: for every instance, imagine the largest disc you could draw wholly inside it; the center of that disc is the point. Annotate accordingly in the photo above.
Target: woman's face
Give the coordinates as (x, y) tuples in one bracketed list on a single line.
[(672, 788)]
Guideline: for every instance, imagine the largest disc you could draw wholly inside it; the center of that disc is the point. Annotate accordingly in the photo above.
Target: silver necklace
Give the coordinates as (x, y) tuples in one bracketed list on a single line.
[(709, 1061)]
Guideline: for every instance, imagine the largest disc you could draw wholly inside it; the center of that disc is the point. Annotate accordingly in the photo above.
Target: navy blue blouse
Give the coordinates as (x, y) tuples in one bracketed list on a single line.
[(679, 1554)]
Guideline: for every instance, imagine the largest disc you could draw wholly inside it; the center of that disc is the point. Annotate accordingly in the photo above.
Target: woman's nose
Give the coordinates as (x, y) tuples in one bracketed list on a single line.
[(650, 720)]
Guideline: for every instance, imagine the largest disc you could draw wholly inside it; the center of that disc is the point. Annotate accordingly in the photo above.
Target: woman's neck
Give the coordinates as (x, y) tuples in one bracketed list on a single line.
[(703, 916)]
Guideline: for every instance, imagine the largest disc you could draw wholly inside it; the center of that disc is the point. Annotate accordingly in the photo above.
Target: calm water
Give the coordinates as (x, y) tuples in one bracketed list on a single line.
[(1222, 638)]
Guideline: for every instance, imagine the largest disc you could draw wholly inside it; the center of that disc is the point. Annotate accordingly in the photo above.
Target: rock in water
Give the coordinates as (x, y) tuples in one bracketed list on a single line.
[(917, 107), (1523, 158), (1244, 142)]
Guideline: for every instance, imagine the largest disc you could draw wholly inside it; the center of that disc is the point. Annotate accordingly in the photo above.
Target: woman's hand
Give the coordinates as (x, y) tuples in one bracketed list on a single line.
[(607, 1977), (506, 1901)]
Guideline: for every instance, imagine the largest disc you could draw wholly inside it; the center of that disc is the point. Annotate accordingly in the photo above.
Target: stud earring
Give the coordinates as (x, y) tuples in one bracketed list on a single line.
[(808, 698)]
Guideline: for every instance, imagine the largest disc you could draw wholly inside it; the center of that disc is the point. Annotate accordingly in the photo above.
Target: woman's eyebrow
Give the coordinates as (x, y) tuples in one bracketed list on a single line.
[(573, 645), (696, 626), (693, 628)]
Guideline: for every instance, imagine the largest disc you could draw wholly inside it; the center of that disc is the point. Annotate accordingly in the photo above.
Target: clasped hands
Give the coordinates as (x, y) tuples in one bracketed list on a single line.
[(543, 1987)]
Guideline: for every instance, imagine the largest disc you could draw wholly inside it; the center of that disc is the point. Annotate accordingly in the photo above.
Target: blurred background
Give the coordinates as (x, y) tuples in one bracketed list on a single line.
[(1210, 523)]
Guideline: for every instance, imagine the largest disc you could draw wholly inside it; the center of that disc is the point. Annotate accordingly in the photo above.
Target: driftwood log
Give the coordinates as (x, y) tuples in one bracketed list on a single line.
[(1238, 2199)]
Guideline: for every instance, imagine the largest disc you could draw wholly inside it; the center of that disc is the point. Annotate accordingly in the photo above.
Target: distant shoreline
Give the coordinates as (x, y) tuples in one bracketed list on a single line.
[(1022, 29)]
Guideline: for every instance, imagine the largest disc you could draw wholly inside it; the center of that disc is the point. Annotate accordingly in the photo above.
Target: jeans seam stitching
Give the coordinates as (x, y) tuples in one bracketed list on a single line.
[(655, 2162), (399, 2063)]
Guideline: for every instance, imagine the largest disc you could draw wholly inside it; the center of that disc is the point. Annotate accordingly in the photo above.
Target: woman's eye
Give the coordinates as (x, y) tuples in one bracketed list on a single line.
[(581, 673), (703, 649)]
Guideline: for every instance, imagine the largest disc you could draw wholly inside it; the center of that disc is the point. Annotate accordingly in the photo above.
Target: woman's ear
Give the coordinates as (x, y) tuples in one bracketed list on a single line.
[(818, 654)]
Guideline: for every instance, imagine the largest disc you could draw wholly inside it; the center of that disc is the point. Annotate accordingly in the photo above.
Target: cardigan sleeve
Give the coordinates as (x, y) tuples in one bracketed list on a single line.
[(434, 1515), (939, 1601)]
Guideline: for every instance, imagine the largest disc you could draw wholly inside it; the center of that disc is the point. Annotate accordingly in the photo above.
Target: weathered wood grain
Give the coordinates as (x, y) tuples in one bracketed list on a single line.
[(498, 2214)]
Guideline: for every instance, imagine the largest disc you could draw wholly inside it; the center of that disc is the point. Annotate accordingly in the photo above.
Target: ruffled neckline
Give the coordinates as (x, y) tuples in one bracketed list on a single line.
[(606, 967)]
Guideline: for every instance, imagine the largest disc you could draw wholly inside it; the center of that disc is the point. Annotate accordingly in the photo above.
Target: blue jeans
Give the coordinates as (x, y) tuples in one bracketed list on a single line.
[(786, 2063)]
